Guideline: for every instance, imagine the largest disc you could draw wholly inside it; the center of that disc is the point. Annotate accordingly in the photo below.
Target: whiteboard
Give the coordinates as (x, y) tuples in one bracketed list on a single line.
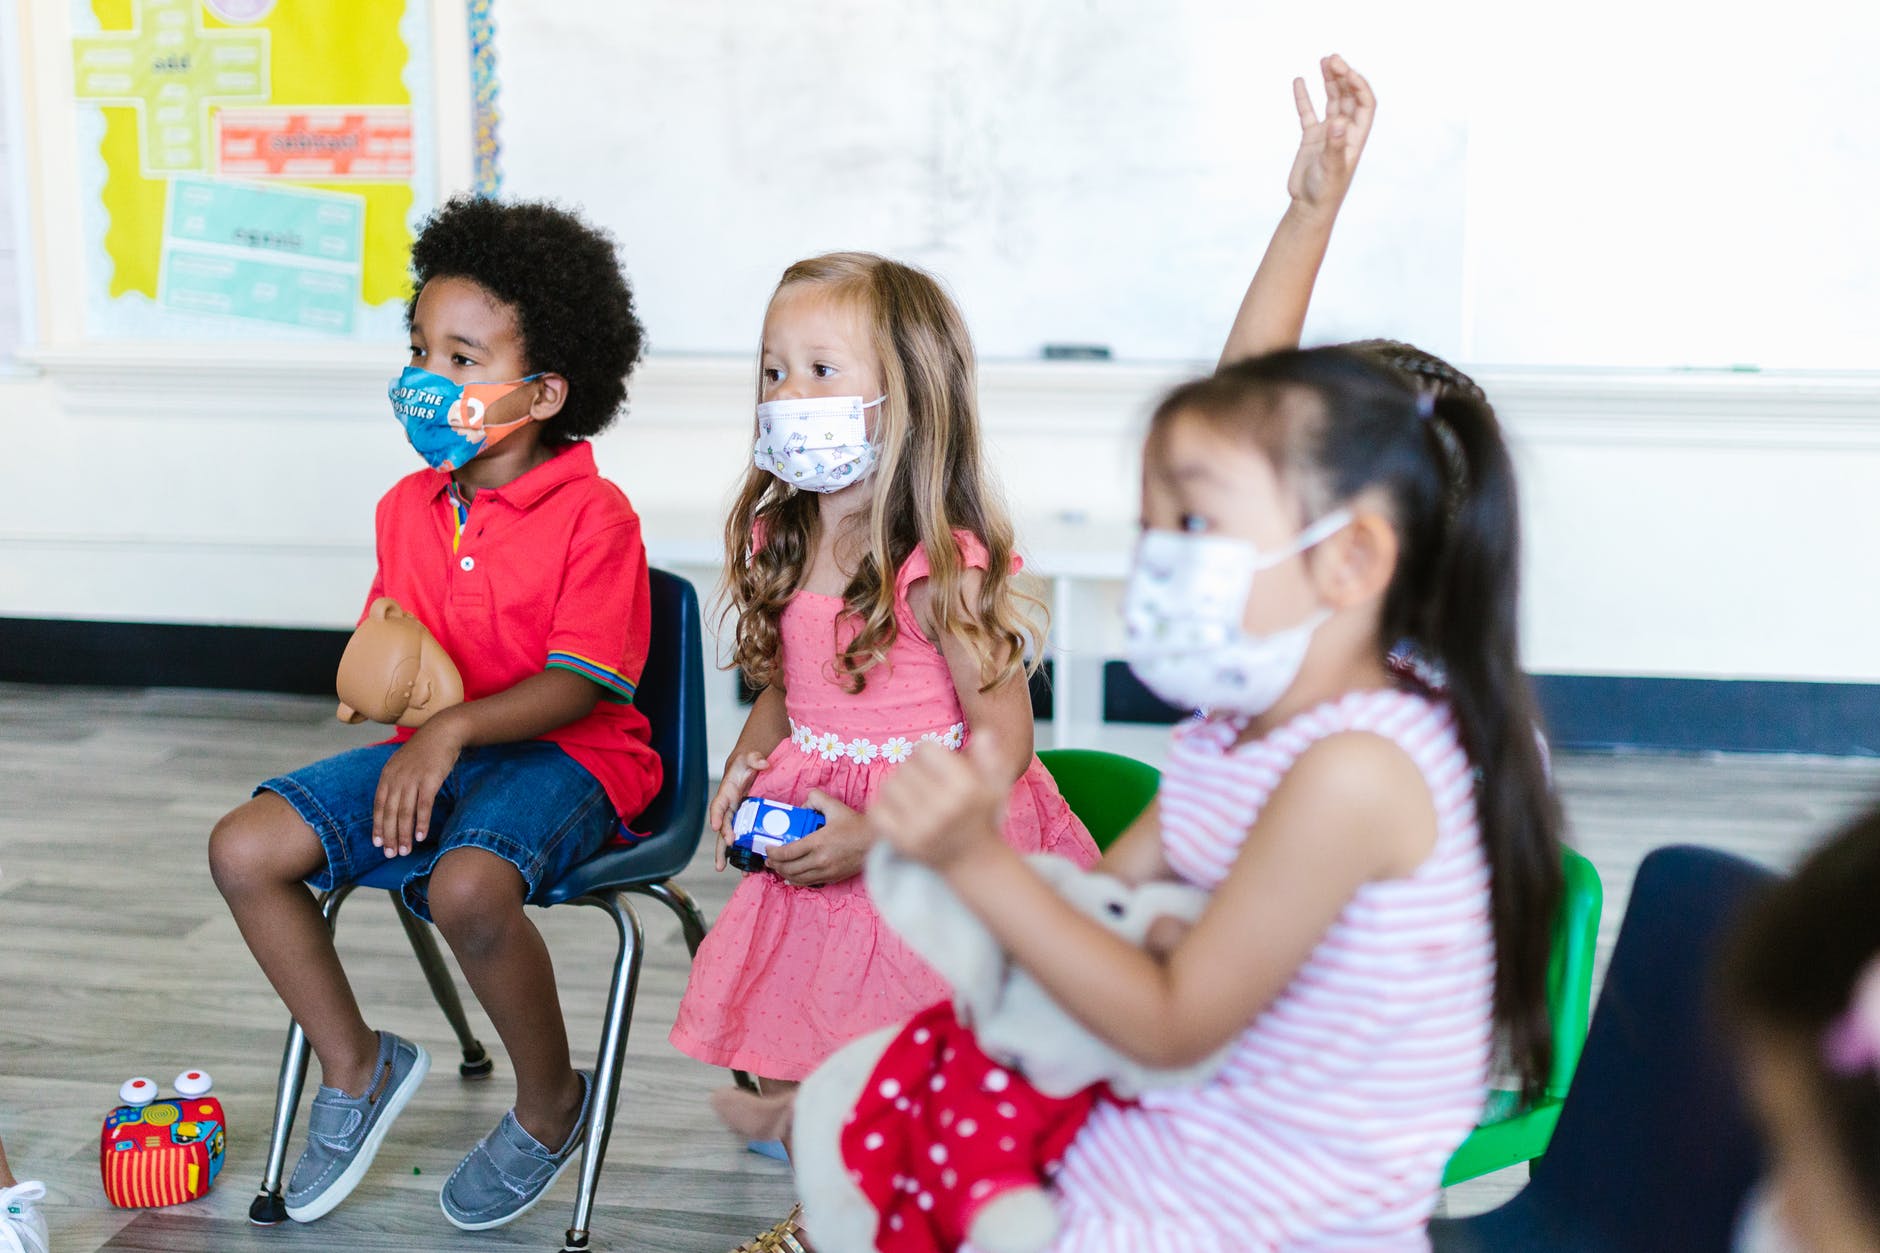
[(1626, 183)]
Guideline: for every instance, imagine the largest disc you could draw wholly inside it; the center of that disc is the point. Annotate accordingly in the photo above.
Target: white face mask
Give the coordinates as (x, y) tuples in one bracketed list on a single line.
[(1183, 609), (819, 443)]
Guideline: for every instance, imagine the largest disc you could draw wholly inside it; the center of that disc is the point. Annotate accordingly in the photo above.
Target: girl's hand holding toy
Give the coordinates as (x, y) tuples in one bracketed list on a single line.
[(830, 854), (732, 789)]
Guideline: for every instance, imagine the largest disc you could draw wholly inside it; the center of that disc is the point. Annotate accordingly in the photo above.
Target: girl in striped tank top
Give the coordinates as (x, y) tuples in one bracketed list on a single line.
[(1383, 858)]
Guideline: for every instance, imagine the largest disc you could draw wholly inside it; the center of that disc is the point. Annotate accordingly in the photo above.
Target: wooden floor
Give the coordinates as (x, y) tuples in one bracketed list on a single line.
[(117, 958)]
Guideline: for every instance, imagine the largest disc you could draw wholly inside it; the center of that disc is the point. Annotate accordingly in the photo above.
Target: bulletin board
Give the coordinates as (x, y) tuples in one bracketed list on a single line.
[(251, 168), (15, 253)]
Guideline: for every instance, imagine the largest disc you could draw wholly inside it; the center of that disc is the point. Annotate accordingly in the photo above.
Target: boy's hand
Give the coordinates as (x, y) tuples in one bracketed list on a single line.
[(829, 854), (941, 805), (1329, 149), (732, 789), (401, 809)]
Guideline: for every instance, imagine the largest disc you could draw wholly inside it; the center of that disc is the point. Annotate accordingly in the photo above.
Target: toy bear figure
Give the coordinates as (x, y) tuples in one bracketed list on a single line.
[(156, 1152), (914, 1136), (393, 670)]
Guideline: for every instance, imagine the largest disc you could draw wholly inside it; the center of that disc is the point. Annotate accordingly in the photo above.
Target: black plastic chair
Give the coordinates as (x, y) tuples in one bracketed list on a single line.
[(672, 696), (1654, 1151)]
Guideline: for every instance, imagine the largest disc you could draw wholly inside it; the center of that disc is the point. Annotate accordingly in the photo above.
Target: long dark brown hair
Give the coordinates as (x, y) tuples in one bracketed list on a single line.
[(931, 479), (1440, 460)]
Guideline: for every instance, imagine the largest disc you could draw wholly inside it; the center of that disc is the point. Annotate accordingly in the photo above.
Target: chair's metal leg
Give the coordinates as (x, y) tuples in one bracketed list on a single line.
[(680, 902), (477, 1063), (607, 1066), (268, 1208), (692, 923)]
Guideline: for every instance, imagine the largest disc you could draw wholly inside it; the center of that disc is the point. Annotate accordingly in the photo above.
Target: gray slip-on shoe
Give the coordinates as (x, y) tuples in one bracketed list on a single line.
[(344, 1132), (510, 1170)]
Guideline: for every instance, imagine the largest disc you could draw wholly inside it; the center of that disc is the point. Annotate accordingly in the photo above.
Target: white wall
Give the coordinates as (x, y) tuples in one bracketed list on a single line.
[(1702, 525)]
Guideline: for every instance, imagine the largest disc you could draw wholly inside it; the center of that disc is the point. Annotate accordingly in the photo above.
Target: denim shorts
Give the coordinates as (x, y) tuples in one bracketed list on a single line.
[(529, 803)]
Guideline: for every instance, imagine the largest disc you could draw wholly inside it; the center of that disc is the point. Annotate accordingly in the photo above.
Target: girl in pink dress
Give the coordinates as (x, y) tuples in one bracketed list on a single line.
[(870, 567)]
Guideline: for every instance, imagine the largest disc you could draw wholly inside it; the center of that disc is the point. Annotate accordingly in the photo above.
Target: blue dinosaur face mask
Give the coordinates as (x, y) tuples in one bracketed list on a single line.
[(444, 420)]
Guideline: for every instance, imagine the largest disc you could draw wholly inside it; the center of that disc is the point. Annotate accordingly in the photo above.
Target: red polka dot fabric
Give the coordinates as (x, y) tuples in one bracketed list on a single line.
[(941, 1130)]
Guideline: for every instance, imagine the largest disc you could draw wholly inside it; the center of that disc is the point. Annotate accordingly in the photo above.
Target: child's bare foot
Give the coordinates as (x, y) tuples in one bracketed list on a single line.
[(754, 1116)]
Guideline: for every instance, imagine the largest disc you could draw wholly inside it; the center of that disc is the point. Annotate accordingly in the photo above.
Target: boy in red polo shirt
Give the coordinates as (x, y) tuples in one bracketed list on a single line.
[(528, 567)]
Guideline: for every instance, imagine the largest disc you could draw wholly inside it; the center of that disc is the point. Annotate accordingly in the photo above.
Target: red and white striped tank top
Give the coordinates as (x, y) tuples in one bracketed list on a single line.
[(1330, 1124)]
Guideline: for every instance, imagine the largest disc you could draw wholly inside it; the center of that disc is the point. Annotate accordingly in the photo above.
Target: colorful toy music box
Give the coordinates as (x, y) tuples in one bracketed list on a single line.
[(761, 826), (162, 1152)]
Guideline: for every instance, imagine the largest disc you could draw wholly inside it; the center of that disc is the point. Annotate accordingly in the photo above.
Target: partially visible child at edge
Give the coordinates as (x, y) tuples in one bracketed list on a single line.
[(1802, 981), (22, 1226), (528, 567), (1383, 857), (870, 571)]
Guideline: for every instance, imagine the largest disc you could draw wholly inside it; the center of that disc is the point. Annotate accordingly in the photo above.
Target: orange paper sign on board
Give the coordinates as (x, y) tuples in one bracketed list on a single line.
[(321, 145)]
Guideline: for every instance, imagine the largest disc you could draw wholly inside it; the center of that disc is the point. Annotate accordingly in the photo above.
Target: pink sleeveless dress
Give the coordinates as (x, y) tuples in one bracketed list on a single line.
[(1330, 1123), (788, 974)]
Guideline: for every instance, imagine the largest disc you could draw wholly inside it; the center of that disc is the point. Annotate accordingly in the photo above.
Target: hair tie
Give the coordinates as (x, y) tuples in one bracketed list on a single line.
[(1426, 405), (1851, 1045)]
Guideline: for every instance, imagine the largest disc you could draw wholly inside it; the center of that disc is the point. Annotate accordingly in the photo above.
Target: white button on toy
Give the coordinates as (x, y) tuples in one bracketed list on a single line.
[(193, 1083), (776, 822), (138, 1091), (468, 563)]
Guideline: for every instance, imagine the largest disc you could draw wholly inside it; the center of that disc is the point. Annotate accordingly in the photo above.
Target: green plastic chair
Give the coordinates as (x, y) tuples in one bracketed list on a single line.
[(1107, 791), (1509, 1134)]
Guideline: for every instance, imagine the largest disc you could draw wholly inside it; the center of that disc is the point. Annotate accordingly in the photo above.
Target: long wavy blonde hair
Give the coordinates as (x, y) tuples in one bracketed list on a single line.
[(930, 478)]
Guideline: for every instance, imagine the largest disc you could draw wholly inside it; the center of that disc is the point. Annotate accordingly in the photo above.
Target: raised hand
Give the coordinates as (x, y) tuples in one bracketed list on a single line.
[(1329, 147), (1273, 312)]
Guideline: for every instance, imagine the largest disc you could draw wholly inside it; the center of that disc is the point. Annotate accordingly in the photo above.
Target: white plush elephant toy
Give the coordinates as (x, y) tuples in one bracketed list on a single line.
[(1020, 1030)]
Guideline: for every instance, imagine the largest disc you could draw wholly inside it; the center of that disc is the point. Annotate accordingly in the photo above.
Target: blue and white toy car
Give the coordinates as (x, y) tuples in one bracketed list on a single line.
[(760, 826)]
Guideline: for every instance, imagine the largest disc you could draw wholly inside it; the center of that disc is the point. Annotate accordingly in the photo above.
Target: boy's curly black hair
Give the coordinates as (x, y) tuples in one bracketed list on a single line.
[(562, 278)]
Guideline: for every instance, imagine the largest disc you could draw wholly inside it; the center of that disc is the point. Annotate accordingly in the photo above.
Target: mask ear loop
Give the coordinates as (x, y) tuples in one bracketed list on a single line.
[(485, 428), (1312, 536)]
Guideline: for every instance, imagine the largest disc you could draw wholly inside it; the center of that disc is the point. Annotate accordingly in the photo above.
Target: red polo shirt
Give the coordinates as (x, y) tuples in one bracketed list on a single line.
[(546, 571)]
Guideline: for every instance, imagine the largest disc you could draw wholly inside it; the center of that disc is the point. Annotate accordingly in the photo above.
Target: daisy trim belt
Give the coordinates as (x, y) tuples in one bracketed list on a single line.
[(894, 750)]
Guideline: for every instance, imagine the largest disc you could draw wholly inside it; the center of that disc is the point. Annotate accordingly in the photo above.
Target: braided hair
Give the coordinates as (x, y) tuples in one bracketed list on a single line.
[(1422, 370)]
